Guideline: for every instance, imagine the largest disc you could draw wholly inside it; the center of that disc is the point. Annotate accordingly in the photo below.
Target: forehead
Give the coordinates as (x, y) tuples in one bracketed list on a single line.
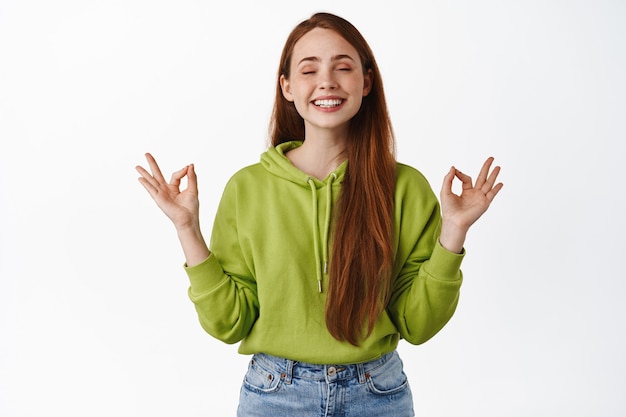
[(323, 44)]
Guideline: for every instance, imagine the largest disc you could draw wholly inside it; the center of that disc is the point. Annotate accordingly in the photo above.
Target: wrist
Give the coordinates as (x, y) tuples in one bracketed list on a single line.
[(193, 244), (452, 237), (189, 233), (190, 226)]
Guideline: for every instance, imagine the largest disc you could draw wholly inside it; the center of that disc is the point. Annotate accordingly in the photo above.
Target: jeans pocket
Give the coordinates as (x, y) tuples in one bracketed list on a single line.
[(388, 379), (260, 379)]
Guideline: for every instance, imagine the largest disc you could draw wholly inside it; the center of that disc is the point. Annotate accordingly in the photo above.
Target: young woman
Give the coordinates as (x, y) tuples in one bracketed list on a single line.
[(328, 251)]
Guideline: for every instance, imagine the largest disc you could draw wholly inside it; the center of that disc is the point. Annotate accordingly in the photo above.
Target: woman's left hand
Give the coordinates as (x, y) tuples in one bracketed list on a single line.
[(459, 212)]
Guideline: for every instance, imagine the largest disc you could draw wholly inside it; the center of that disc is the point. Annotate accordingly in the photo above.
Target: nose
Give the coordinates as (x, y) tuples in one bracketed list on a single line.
[(327, 80)]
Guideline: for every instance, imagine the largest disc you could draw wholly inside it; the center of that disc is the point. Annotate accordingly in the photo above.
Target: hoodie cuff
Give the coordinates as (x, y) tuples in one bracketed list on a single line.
[(444, 265), (206, 276)]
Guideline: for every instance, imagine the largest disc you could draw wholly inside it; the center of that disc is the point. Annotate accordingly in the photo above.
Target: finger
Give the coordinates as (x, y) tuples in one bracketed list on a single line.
[(484, 172), (494, 191), (488, 185), (178, 175), (146, 177), (466, 180), (154, 167), (148, 186), (141, 170)]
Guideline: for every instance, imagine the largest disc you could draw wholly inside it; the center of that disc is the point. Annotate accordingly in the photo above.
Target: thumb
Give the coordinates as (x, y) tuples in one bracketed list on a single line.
[(192, 179)]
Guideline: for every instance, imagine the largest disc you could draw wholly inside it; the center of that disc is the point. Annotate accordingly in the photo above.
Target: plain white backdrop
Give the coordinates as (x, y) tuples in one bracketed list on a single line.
[(94, 315)]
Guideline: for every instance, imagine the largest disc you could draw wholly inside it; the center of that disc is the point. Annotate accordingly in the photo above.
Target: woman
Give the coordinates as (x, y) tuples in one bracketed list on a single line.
[(328, 251)]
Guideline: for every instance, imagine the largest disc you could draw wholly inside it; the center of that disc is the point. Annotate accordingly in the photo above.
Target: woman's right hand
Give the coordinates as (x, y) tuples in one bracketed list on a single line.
[(182, 207)]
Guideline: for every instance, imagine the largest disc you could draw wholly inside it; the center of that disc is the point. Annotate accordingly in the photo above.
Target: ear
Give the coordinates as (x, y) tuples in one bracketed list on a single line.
[(285, 86), (367, 82)]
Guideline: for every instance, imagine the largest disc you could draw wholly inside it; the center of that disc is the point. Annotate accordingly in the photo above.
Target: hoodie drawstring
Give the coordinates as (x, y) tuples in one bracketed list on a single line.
[(321, 262)]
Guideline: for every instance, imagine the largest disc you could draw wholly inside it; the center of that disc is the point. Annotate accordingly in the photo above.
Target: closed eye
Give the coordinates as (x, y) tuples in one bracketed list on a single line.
[(343, 66)]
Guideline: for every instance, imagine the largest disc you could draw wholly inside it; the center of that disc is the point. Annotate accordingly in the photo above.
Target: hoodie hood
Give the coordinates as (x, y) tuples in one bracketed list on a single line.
[(275, 161)]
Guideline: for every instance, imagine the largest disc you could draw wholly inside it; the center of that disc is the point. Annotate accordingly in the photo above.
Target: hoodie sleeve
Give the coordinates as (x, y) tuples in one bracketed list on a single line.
[(428, 277), (222, 287)]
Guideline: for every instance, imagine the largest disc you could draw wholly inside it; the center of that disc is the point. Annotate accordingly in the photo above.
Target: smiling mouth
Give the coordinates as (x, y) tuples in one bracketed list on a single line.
[(328, 103)]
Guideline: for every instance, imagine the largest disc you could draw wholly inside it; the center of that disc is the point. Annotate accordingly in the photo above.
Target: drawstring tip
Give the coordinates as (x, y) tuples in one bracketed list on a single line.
[(326, 267), (319, 286)]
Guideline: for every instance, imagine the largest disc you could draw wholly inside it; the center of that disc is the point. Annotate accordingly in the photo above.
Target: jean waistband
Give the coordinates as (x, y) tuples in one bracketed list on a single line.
[(290, 369)]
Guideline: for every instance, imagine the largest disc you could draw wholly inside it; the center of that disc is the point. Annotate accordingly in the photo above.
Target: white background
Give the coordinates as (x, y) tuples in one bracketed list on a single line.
[(94, 315)]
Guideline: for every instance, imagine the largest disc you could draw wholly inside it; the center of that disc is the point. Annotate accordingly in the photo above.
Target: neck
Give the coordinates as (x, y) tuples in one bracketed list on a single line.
[(319, 155)]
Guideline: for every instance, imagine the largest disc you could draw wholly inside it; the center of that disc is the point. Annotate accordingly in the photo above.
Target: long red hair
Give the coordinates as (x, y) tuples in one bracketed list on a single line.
[(362, 255)]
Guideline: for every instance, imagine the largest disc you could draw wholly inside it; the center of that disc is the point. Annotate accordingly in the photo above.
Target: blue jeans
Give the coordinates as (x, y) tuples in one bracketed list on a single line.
[(276, 387)]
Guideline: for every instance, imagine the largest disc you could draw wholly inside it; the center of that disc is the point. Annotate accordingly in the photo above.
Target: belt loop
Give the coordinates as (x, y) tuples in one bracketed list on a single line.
[(288, 374), (360, 370)]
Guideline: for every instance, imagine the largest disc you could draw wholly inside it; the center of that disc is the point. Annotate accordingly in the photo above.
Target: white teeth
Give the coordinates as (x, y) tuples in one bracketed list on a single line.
[(328, 103)]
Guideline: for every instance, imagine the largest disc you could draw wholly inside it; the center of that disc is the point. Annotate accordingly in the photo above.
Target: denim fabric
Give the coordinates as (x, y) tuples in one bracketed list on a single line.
[(275, 387)]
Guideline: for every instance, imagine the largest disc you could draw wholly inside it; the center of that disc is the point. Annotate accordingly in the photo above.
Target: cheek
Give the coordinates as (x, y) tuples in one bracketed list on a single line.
[(301, 94), (357, 84), (296, 90), (300, 103)]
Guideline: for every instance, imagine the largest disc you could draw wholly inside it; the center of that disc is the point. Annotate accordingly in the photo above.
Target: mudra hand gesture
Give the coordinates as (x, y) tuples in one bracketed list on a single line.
[(459, 212), (182, 207)]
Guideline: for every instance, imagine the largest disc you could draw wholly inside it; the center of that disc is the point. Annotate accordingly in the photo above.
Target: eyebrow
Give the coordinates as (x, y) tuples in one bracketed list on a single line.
[(334, 58)]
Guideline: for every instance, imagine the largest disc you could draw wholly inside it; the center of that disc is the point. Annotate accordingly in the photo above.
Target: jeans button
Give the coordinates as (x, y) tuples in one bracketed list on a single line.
[(332, 371)]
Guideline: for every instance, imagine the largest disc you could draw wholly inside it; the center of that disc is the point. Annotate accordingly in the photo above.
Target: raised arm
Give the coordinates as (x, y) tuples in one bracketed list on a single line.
[(181, 206), (459, 212)]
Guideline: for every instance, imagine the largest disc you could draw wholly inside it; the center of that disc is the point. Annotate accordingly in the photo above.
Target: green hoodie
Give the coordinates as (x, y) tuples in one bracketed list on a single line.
[(269, 250)]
